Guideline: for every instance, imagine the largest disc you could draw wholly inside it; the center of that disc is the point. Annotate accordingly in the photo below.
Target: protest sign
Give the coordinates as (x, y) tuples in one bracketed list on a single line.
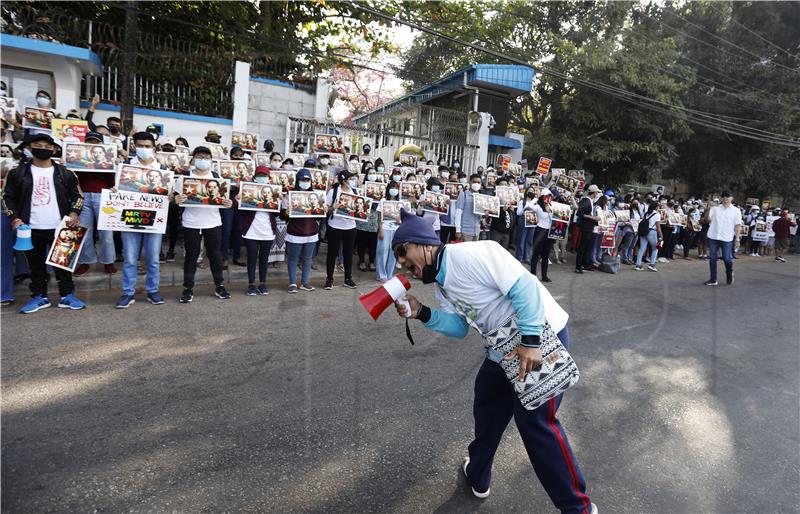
[(560, 213), (236, 170), (491, 180), (485, 205), (320, 179), (36, 118), (530, 219), (217, 150), (67, 246), (69, 131), (306, 204), (285, 179), (437, 203), (623, 216), (544, 165), (178, 163), (298, 159), (503, 161), (141, 179), (408, 160), (257, 196), (353, 207), (129, 211), (568, 183), (86, 157), (204, 192), (770, 221), (8, 107), (452, 189), (374, 190), (760, 232), (508, 195), (753, 201), (391, 210), (246, 140), (327, 143)]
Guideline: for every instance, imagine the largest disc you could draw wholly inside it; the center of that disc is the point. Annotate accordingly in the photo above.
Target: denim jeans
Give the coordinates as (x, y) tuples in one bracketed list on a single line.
[(132, 244), (714, 246), (385, 261), (231, 233), (652, 241), (105, 238), (628, 242), (8, 237), (298, 252)]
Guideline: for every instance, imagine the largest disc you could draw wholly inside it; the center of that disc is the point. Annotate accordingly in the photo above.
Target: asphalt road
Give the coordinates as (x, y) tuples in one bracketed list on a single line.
[(688, 402)]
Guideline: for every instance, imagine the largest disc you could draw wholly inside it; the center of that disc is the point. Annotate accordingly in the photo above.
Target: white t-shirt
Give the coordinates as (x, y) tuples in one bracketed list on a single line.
[(723, 222), (201, 217), (653, 219), (261, 228), (45, 214), (335, 221), (543, 218), (479, 275)]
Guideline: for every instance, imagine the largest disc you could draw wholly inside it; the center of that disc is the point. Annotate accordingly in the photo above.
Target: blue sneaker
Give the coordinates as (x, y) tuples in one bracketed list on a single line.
[(262, 290), (37, 303), (70, 302), (125, 301), (251, 290), (155, 298)]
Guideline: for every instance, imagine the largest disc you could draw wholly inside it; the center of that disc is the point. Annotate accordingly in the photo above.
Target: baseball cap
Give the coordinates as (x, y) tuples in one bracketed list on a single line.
[(168, 142), (94, 135), (546, 192), (303, 174), (201, 149), (344, 175), (594, 189), (262, 170), (726, 194)]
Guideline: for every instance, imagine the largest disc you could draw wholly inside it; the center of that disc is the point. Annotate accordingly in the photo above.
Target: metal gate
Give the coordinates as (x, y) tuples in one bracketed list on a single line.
[(384, 143)]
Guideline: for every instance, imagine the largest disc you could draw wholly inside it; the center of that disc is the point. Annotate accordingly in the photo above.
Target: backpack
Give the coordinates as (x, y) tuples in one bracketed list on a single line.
[(644, 226)]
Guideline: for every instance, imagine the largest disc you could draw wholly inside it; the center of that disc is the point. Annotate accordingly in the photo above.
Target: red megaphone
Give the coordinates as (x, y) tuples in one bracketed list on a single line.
[(378, 300)]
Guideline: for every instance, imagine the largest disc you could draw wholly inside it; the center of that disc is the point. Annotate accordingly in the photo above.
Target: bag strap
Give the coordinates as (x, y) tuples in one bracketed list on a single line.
[(460, 311)]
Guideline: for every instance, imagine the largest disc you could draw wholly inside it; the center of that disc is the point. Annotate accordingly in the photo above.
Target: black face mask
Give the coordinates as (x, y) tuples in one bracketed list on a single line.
[(300, 149), (268, 149), (429, 272), (42, 153), (213, 140), (114, 130)]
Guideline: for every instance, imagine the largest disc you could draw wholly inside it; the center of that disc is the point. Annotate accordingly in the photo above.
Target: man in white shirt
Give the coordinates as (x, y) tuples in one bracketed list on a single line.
[(39, 193), (725, 223)]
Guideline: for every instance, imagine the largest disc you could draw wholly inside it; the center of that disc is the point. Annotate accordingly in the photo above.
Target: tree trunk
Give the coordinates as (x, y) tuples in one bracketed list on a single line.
[(128, 68)]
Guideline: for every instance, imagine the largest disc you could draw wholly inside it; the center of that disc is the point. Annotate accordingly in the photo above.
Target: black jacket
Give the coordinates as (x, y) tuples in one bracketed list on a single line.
[(19, 187), (585, 207)]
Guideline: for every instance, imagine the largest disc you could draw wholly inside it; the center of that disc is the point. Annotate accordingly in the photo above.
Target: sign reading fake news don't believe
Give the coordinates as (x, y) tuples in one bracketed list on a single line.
[(128, 211)]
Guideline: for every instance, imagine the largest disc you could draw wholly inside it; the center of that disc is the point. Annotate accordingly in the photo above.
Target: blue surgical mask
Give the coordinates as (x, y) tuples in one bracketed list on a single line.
[(396, 178), (305, 184), (27, 153), (381, 169), (202, 164), (262, 179), (371, 177), (42, 101), (435, 189), (144, 154), (394, 192), (353, 183)]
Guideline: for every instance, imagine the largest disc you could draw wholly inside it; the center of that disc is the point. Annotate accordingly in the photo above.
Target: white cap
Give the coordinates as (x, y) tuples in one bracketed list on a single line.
[(168, 141), (546, 192)]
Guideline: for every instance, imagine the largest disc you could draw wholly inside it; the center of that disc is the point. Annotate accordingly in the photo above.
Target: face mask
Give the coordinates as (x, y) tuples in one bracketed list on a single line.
[(462, 181), (394, 192), (261, 179), (324, 162), (301, 149), (27, 153), (43, 101), (456, 165), (275, 165), (381, 169), (475, 187), (42, 153), (353, 164), (353, 183), (427, 176), (213, 140), (305, 184), (396, 178), (428, 274), (202, 164), (435, 189), (530, 195), (3, 92), (144, 154), (372, 178), (287, 167), (113, 129)]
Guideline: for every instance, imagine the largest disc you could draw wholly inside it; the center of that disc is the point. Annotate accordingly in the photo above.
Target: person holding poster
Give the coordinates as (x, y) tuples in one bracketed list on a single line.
[(40, 193), (480, 284), (341, 231), (649, 232), (202, 223), (302, 235), (587, 221), (258, 231), (386, 227), (725, 223), (542, 244), (92, 184), (133, 243), (468, 224)]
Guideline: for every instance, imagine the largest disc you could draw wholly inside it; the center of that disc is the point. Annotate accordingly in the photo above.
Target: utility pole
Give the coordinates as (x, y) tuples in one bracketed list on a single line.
[(128, 68)]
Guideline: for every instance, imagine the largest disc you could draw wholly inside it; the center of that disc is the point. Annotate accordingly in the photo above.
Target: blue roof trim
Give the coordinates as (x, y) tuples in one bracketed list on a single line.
[(505, 142), (512, 79), (50, 48), (164, 114), (272, 82)]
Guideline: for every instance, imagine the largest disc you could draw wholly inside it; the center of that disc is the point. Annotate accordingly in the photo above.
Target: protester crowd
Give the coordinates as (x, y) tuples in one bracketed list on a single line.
[(537, 215)]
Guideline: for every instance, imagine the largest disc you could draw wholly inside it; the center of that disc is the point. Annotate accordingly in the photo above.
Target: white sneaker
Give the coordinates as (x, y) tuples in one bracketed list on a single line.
[(476, 493), (594, 509)]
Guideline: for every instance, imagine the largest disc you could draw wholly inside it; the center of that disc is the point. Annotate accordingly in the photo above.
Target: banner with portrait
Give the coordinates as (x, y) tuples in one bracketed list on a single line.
[(437, 203), (67, 246), (285, 179), (508, 195), (235, 171), (90, 157), (391, 210), (178, 163), (133, 211), (306, 204), (248, 141), (142, 179), (328, 143), (561, 214), (485, 205), (374, 190), (70, 131), (353, 207), (453, 189), (36, 118), (256, 196), (320, 179), (204, 192)]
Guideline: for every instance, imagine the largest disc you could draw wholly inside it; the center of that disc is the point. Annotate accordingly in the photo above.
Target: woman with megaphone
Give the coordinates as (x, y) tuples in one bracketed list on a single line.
[(527, 366)]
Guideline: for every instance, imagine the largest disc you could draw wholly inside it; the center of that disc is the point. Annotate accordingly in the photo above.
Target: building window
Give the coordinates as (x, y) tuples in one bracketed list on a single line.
[(23, 85)]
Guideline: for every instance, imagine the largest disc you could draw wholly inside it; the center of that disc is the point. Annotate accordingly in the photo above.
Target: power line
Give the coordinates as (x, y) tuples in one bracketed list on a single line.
[(756, 34), (640, 100)]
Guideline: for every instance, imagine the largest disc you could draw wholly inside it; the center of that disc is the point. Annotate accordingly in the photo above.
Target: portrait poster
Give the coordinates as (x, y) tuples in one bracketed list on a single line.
[(515, 170), (133, 211), (563, 193), (141, 179), (408, 160), (452, 190), (90, 157), (236, 170), (204, 192), (674, 218), (508, 195), (218, 151), (286, 179), (502, 162), (262, 159), (558, 230), (69, 131), (437, 203), (432, 169), (391, 210), (383, 178), (374, 190), (67, 246), (411, 191), (306, 204), (353, 207), (247, 140), (770, 220), (8, 107), (760, 231), (491, 180), (532, 181), (36, 118), (623, 215), (579, 174), (486, 205), (662, 213), (544, 165), (658, 189), (183, 150), (753, 201), (530, 219), (178, 163), (320, 179), (560, 211), (257, 196), (568, 183), (298, 159), (524, 164), (328, 143)]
